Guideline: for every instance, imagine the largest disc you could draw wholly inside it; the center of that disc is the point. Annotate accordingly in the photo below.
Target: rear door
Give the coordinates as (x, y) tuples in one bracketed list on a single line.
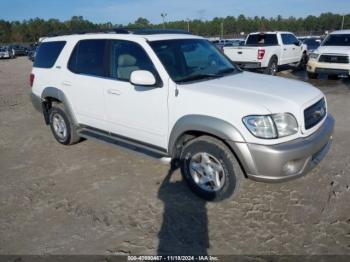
[(85, 80)]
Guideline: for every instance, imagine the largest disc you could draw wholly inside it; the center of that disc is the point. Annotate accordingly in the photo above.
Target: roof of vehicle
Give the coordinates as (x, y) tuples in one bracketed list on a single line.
[(271, 32), (133, 37), (341, 32)]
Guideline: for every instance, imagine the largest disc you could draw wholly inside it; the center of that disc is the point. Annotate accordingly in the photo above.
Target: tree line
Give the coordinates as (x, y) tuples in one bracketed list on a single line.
[(30, 30)]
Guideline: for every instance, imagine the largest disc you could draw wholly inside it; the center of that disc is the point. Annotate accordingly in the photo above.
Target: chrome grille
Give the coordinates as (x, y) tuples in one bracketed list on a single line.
[(315, 113), (339, 59)]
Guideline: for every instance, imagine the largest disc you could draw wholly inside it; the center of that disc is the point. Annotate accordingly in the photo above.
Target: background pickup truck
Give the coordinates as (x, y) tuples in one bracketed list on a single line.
[(267, 51)]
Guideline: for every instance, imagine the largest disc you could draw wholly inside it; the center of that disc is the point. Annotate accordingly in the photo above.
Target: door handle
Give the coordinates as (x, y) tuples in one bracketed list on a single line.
[(113, 92), (66, 83), (293, 48), (285, 49)]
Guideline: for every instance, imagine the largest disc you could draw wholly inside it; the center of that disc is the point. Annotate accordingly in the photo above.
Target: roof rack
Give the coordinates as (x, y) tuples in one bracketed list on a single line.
[(121, 30)]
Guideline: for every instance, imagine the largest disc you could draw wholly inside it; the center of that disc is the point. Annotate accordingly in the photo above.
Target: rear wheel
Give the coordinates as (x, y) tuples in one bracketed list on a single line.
[(210, 168), (62, 126), (272, 68)]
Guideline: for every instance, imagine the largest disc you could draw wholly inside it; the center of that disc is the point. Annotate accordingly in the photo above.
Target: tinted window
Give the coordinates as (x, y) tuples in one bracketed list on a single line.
[(337, 40), (126, 57), (285, 39), (289, 39), (89, 57), (48, 53), (262, 39), (293, 39)]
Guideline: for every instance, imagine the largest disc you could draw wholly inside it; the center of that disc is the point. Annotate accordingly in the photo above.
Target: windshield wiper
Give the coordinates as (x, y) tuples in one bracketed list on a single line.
[(198, 77)]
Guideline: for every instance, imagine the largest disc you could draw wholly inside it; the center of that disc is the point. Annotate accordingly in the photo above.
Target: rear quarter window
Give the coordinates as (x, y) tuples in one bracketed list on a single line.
[(48, 53)]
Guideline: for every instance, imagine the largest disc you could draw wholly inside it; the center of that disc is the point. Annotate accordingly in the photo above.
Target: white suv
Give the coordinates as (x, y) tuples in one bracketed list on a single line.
[(177, 96), (332, 56)]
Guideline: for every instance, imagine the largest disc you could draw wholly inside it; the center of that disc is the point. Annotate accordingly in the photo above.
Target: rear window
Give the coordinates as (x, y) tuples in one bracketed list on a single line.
[(262, 39), (48, 53)]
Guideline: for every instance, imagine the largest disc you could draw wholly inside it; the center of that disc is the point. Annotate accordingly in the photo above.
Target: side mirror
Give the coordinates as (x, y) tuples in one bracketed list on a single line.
[(142, 78), (298, 43)]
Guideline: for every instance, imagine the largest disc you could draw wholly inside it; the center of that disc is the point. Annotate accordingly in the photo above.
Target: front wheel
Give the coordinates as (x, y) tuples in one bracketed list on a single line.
[(210, 168)]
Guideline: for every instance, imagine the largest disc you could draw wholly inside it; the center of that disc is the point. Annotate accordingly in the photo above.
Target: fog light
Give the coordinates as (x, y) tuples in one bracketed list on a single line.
[(293, 167)]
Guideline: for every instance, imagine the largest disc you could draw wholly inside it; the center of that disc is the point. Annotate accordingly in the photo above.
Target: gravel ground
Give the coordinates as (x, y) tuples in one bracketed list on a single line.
[(93, 198)]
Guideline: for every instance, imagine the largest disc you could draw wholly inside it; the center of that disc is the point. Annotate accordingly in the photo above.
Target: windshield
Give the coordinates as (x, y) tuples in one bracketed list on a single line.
[(337, 40), (192, 59)]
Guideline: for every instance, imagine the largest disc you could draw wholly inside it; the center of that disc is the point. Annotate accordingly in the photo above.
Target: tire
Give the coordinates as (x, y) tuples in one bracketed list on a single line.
[(62, 126), (229, 172), (303, 61), (312, 75), (272, 68)]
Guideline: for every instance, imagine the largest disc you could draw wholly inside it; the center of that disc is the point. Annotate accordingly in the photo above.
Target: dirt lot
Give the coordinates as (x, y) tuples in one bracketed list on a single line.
[(93, 198)]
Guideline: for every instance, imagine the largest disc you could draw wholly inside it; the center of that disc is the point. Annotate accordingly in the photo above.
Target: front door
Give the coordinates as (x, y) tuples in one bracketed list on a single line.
[(136, 112)]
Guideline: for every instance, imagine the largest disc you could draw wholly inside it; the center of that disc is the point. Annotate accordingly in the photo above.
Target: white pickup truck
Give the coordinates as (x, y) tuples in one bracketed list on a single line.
[(268, 51)]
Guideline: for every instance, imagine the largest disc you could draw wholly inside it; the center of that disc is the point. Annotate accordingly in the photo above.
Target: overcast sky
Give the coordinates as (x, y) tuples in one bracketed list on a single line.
[(124, 11)]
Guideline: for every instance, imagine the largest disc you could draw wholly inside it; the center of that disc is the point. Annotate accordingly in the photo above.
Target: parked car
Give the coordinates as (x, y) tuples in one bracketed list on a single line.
[(5, 52), (332, 56), (222, 42), (32, 52), (312, 43), (267, 51), (234, 42), (175, 96), (18, 50)]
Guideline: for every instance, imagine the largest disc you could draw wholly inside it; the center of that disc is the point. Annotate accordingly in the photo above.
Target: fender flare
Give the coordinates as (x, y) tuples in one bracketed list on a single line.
[(206, 124), (59, 95)]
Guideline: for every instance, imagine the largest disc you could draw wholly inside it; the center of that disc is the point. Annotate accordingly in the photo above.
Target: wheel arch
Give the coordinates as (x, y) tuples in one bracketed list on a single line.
[(201, 124), (274, 56), (191, 126), (53, 94)]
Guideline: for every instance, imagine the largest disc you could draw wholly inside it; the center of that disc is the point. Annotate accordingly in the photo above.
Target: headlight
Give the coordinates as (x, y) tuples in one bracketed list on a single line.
[(260, 126), (286, 124), (313, 55), (271, 126)]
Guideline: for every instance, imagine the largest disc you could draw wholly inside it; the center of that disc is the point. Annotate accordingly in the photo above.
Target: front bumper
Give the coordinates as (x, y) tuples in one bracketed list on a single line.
[(314, 66), (285, 161)]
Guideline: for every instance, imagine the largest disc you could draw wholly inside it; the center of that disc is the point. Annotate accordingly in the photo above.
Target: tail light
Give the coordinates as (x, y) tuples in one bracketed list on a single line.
[(261, 53), (31, 79)]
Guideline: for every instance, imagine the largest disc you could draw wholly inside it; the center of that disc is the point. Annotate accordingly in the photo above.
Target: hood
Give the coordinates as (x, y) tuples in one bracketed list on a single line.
[(333, 50), (276, 94)]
